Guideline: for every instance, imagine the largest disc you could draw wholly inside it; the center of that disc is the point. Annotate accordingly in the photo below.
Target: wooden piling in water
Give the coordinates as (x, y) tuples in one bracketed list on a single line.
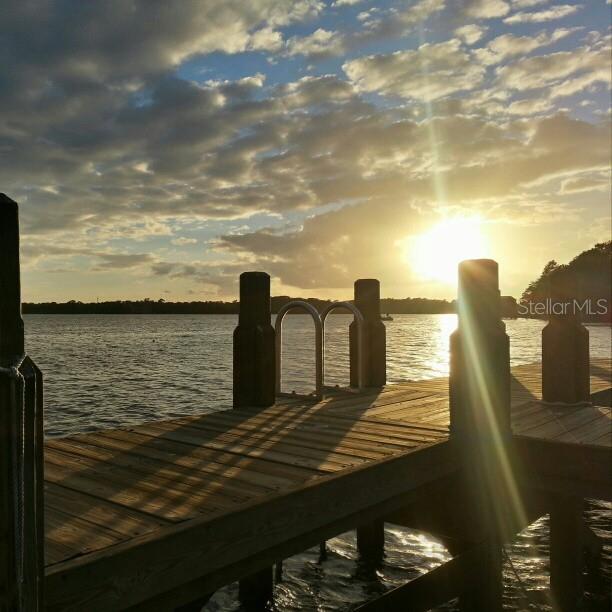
[(480, 429), (370, 537), (255, 386), (566, 551), (21, 439), (254, 351)]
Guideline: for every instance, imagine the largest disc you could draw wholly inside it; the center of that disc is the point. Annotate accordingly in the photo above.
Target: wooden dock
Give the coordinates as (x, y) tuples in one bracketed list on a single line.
[(161, 515), (229, 487)]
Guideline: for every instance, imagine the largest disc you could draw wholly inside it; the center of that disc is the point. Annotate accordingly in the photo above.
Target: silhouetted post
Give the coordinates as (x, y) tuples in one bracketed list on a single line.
[(480, 420), (254, 351), (21, 438), (255, 386), (565, 349), (367, 300), (565, 380), (371, 537)]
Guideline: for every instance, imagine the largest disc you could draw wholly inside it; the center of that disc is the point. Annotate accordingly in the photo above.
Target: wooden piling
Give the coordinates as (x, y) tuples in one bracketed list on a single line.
[(254, 351), (371, 543), (565, 348), (480, 421), (566, 552), (367, 300), (370, 537), (255, 386), (256, 590), (21, 438)]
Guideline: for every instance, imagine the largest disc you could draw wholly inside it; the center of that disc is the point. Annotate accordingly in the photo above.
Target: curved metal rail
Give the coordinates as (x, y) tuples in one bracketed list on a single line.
[(278, 328), (358, 317)]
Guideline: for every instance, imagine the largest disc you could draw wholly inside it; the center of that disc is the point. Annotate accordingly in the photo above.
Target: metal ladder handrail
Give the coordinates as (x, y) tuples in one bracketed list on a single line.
[(358, 317), (278, 329)]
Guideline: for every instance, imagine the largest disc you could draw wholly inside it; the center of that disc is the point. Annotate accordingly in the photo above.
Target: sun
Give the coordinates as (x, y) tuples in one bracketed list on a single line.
[(435, 254)]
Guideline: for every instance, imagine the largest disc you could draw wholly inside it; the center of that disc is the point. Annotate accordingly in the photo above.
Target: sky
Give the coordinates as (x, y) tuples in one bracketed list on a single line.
[(157, 150)]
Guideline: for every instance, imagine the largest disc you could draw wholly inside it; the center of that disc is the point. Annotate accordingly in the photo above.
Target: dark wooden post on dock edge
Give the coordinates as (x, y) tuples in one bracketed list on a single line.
[(565, 350), (254, 348), (565, 380), (21, 438), (370, 537), (367, 300), (255, 386), (480, 421)]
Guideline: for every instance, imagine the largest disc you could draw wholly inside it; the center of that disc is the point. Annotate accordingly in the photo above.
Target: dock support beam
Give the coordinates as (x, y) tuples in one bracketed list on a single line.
[(254, 347), (370, 538), (21, 439), (480, 423)]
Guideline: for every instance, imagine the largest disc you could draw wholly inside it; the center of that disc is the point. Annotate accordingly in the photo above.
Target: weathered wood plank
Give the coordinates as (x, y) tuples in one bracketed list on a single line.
[(179, 554)]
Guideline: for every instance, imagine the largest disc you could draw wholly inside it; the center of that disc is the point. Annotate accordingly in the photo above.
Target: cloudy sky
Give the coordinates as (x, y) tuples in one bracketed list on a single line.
[(158, 149)]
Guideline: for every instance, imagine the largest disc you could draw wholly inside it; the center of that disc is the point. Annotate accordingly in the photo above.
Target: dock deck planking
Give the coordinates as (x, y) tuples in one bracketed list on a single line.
[(114, 490)]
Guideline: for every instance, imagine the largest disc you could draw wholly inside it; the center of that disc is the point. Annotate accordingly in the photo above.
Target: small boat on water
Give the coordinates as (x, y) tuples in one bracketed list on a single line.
[(386, 317)]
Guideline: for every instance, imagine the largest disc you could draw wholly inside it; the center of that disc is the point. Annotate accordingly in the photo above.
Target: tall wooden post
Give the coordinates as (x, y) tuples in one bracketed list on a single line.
[(254, 350), (370, 537), (480, 420), (255, 386), (21, 438), (565, 380), (367, 300), (565, 348)]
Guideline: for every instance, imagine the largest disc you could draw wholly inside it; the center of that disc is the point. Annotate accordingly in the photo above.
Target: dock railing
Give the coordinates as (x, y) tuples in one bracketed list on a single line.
[(21, 438)]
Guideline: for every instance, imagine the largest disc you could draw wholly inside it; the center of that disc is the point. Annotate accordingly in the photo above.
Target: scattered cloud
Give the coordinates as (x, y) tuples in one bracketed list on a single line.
[(509, 45), (432, 71), (470, 33), (555, 12), (485, 9)]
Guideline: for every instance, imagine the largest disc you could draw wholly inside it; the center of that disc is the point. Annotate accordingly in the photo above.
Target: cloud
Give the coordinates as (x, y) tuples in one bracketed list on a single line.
[(483, 169), (318, 44), (122, 261), (555, 12), (508, 45), (432, 71), (485, 9), (112, 149), (182, 241), (564, 72), (378, 25), (527, 3), (346, 2), (470, 33)]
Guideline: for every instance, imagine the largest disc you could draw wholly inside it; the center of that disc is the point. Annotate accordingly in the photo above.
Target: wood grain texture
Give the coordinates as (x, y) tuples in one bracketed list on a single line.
[(197, 500)]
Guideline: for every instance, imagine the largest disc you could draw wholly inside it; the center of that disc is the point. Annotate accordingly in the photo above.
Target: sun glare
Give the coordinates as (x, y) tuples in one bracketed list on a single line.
[(435, 254)]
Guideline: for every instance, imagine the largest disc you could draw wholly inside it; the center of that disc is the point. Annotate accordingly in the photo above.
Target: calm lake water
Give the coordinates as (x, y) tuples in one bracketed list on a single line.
[(107, 371)]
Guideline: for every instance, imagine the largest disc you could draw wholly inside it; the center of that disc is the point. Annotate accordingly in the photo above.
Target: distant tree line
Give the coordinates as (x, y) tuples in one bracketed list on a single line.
[(585, 281), (148, 306)]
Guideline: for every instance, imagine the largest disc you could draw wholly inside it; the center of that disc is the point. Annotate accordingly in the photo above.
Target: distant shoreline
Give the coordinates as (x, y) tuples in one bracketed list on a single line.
[(388, 305)]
